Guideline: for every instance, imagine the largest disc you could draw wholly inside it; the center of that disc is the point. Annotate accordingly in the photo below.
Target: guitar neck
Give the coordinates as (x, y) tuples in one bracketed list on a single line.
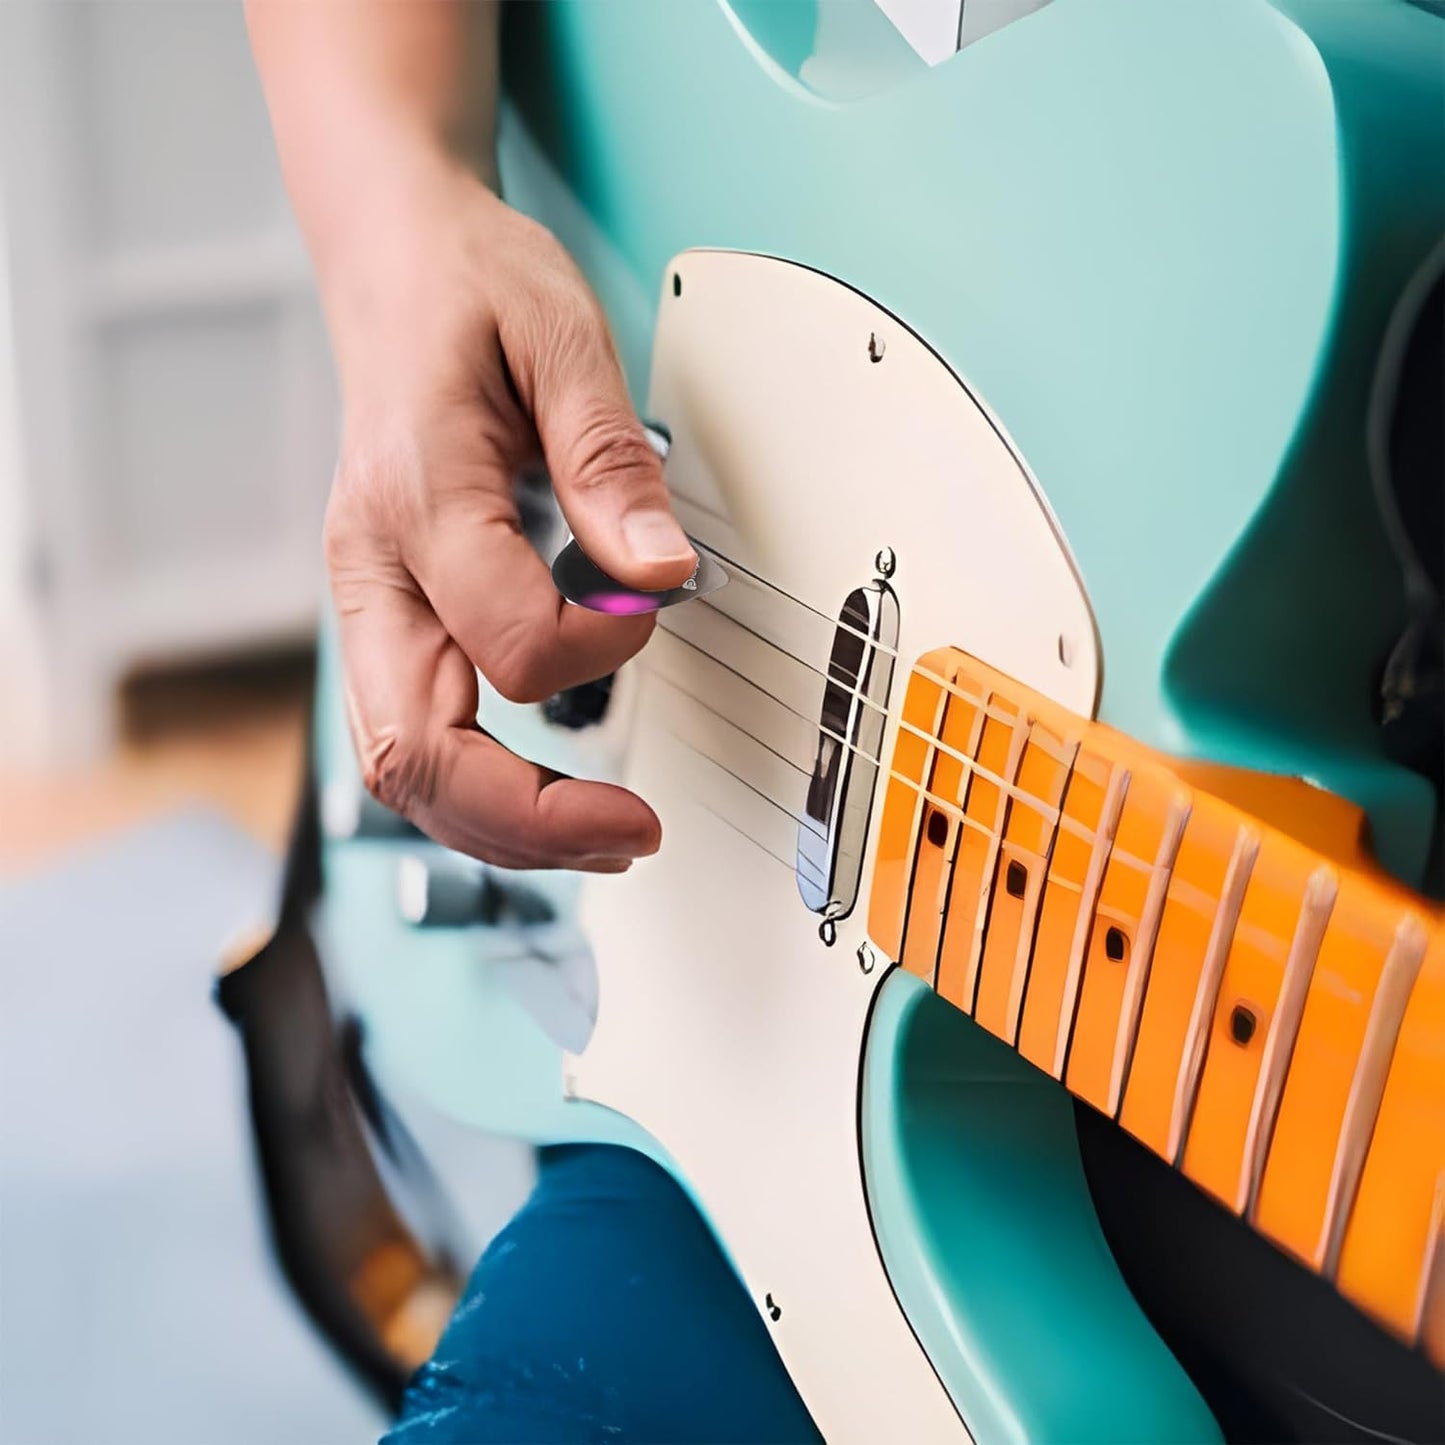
[(1263, 1010)]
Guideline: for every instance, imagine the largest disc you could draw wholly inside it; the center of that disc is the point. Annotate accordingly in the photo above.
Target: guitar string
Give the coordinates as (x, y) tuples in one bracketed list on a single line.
[(853, 689), (762, 581), (838, 623), (973, 769), (954, 809), (1059, 820), (986, 887), (816, 724), (1048, 811), (1051, 814), (744, 834)]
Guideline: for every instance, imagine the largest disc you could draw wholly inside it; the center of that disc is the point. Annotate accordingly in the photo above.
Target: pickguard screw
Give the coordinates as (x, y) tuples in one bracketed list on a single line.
[(1066, 651), (774, 1313), (885, 562), (876, 347), (866, 957)]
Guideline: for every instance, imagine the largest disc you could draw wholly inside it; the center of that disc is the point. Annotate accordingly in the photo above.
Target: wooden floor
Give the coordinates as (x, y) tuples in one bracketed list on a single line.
[(232, 736)]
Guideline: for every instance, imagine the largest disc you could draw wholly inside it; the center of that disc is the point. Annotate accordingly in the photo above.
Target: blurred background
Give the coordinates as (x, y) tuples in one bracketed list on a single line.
[(167, 412), (167, 429)]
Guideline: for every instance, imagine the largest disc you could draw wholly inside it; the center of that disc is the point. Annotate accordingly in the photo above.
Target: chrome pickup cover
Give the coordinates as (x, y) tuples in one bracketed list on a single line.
[(834, 826)]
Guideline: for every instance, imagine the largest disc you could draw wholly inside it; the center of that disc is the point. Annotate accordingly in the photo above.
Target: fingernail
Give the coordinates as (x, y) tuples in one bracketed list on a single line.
[(606, 864), (654, 536)]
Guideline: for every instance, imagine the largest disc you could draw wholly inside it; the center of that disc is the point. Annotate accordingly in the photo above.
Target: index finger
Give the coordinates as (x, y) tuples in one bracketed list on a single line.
[(411, 702), (496, 598)]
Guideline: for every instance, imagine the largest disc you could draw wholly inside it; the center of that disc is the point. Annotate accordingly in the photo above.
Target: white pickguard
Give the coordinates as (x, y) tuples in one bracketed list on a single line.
[(725, 1027)]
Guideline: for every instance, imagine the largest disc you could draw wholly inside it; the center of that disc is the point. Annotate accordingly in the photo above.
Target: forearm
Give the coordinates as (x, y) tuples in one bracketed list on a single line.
[(467, 341), (384, 115), (364, 94)]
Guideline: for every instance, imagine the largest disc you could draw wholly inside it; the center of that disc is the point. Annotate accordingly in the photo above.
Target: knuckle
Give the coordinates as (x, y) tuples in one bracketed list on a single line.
[(339, 533), (399, 769), (516, 673), (608, 450), (379, 498), (381, 478), (553, 328)]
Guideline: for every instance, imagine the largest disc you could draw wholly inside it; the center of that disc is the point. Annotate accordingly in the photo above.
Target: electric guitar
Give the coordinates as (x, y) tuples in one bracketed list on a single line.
[(1034, 404)]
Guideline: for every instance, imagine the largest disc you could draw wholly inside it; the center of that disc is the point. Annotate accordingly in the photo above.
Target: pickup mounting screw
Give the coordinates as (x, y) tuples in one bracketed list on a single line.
[(828, 932), (876, 347), (885, 562), (866, 957)]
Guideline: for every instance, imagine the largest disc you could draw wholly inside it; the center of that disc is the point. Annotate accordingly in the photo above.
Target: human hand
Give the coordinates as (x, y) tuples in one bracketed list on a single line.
[(469, 345)]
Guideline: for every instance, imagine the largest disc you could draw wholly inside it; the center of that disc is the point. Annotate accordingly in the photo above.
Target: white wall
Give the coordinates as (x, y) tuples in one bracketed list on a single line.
[(22, 676), (166, 359)]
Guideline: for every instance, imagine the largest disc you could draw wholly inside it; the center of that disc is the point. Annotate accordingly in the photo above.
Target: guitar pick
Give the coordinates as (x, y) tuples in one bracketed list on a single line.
[(579, 579)]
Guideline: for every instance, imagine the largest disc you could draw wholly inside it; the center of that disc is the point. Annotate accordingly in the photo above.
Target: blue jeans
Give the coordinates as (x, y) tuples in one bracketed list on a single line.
[(603, 1312)]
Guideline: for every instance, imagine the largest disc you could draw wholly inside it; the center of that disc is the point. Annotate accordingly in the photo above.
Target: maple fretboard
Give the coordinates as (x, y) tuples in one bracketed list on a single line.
[(1264, 1013)]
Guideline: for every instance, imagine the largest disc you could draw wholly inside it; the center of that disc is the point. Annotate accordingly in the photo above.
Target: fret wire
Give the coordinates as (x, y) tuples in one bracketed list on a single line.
[(987, 893), (1296, 983), (915, 850), (1225, 909), (1066, 757), (839, 623), (928, 674), (1393, 989), (1075, 828), (1141, 953), (949, 687), (1050, 814), (1093, 882), (975, 769), (953, 809), (1165, 885), (1030, 950), (1045, 810), (1206, 991)]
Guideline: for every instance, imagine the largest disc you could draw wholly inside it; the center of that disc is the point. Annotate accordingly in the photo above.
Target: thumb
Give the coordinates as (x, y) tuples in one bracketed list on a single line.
[(607, 478)]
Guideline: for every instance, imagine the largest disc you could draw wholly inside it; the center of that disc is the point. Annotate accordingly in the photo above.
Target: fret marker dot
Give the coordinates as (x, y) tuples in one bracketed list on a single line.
[(1114, 945), (937, 829), (1016, 880), (1242, 1024)]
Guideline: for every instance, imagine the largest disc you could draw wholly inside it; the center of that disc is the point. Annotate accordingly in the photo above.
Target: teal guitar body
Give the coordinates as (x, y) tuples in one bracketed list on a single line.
[(1169, 251)]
